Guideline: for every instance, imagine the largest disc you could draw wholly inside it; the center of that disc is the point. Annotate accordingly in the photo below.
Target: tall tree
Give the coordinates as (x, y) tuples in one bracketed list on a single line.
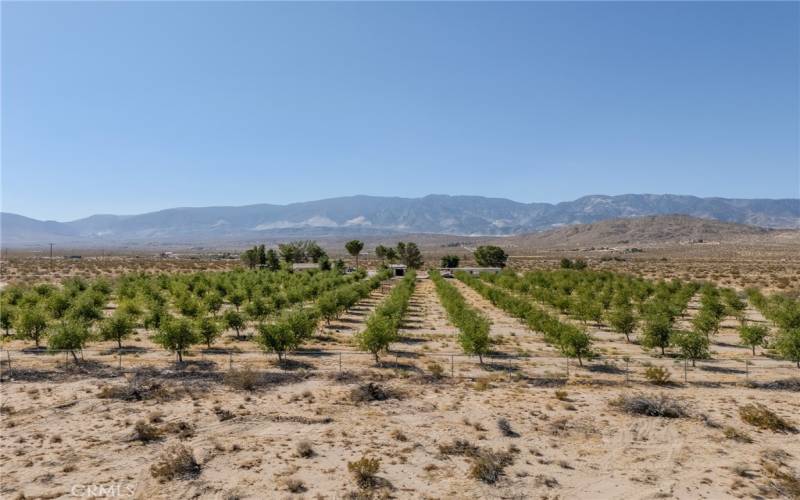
[(31, 323), (176, 335), (409, 254), (450, 261), (273, 261), (70, 335), (753, 335), (116, 327), (354, 248), (491, 256)]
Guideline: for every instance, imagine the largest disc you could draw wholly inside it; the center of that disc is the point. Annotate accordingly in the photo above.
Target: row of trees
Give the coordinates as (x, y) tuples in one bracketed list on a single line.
[(177, 308), (572, 341), (473, 326), (384, 322)]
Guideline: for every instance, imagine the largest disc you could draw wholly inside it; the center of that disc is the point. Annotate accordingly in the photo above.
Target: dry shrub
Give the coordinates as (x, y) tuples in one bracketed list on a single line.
[(294, 485), (488, 466), (369, 392), (460, 447), (398, 435), (223, 414), (183, 430), (135, 390), (304, 449), (781, 479), (505, 428), (737, 435), (650, 405), (145, 432), (436, 370), (245, 379), (175, 462), (657, 375), (561, 395), (762, 417), (364, 470)]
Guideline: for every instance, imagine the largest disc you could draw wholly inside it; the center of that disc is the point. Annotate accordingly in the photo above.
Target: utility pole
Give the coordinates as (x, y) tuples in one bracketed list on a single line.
[(51, 256)]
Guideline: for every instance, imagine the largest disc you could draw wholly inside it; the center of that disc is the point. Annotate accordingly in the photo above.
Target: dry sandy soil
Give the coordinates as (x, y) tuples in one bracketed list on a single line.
[(64, 432)]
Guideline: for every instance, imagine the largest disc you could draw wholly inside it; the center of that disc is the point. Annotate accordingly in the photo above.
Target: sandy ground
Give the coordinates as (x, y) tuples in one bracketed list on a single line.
[(59, 435)]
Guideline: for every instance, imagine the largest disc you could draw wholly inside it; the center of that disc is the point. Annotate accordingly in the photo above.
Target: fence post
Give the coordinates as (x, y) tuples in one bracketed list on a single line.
[(567, 367), (119, 364), (230, 361), (685, 369), (451, 366), (340, 362), (746, 369), (8, 355), (626, 372)]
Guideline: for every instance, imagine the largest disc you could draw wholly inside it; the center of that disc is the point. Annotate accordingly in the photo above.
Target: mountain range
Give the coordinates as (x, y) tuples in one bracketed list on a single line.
[(372, 215)]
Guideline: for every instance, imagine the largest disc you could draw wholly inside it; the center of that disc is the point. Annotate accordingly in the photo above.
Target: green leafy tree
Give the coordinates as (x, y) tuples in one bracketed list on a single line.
[(491, 256), (286, 334), (450, 261), (380, 252), (622, 319), (208, 328), (787, 344), (575, 343), (7, 315), (233, 319), (31, 323), (409, 254), (212, 302), (692, 345), (706, 322), (753, 335), (236, 298), (565, 263), (57, 305), (258, 309), (657, 331), (177, 335), (250, 257), (118, 327), (354, 248), (273, 261), (86, 308), (69, 336), (377, 336), (315, 252)]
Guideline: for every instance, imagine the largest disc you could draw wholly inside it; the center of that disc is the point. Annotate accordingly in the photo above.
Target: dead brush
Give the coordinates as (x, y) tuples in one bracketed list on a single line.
[(144, 432), (304, 449), (505, 428), (175, 462), (762, 417), (364, 471), (245, 379), (487, 466), (650, 405), (657, 375), (736, 435), (369, 392)]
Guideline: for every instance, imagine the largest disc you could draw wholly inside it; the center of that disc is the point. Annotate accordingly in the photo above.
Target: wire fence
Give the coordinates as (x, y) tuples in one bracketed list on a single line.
[(606, 369)]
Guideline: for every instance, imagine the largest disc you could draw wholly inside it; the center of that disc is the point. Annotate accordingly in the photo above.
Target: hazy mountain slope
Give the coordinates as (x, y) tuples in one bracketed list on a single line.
[(436, 214), (648, 230)]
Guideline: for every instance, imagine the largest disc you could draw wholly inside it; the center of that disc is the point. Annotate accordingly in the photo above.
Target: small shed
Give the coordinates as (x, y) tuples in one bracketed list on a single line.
[(398, 269), (304, 266), (477, 271)]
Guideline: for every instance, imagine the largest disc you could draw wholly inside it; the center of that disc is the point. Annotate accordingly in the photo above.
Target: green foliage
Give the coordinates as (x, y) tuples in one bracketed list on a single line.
[(118, 327), (208, 328), (450, 261), (31, 323), (354, 248), (7, 317), (491, 256), (235, 320), (288, 332), (409, 254), (692, 345), (575, 343), (753, 335), (177, 335), (622, 319), (70, 335), (473, 326), (657, 331), (787, 344), (383, 323), (657, 375)]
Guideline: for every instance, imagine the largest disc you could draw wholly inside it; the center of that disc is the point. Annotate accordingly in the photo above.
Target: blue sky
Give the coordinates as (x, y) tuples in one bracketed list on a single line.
[(132, 107)]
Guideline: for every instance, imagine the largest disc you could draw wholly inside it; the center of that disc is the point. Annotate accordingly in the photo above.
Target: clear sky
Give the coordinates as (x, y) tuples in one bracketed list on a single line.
[(131, 107)]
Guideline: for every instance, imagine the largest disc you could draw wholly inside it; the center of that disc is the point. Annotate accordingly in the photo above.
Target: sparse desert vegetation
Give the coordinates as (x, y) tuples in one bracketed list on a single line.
[(249, 383)]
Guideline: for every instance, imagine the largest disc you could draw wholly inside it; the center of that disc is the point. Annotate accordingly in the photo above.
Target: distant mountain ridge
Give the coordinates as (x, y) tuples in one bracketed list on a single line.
[(373, 215)]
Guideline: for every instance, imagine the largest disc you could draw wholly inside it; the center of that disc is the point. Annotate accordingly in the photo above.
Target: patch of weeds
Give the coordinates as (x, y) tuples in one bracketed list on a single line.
[(561, 395), (481, 384), (175, 462), (223, 414), (436, 370), (245, 379), (398, 435), (294, 485), (762, 417), (736, 435), (650, 406), (657, 375), (505, 428), (364, 471), (144, 432), (305, 449), (181, 429), (369, 392)]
